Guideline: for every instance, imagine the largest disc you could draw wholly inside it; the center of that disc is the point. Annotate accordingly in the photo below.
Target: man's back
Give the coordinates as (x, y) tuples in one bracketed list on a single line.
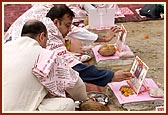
[(21, 89)]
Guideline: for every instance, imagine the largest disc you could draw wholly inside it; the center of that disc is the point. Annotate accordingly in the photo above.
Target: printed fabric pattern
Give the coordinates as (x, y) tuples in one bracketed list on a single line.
[(54, 73)]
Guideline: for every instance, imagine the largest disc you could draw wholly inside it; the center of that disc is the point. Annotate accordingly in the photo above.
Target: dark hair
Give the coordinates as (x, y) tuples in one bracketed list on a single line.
[(32, 28), (58, 11)]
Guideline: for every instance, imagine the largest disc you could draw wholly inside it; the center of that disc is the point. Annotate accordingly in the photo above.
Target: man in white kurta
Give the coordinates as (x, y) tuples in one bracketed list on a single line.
[(22, 91)]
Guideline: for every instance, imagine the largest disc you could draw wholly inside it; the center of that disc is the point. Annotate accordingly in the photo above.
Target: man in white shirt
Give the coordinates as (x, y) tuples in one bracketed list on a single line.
[(88, 73), (22, 91), (58, 21)]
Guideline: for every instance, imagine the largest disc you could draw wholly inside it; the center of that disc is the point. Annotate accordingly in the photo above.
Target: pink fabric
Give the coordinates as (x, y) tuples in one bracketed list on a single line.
[(99, 57), (115, 86), (54, 73)]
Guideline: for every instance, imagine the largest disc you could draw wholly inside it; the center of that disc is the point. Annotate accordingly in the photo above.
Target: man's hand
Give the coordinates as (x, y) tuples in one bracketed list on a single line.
[(112, 33), (122, 75)]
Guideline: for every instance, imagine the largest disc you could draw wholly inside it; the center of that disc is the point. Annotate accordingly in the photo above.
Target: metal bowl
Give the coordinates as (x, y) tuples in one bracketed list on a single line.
[(98, 97)]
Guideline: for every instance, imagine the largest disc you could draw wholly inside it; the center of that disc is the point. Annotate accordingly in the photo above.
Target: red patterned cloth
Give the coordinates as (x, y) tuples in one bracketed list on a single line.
[(126, 11), (129, 17), (12, 12)]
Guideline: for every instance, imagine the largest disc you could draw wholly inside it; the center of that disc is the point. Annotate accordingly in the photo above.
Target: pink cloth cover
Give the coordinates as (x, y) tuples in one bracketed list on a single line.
[(98, 57), (144, 96)]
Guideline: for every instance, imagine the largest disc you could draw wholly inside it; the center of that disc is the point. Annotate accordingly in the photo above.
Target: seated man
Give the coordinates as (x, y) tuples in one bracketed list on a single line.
[(58, 22), (59, 30), (22, 91), (38, 11)]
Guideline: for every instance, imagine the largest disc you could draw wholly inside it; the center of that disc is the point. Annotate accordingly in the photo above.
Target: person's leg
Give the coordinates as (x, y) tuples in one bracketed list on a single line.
[(91, 74), (57, 104), (78, 92)]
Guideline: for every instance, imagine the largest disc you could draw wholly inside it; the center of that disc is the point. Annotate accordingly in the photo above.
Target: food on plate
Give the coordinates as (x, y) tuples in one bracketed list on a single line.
[(107, 50), (126, 90)]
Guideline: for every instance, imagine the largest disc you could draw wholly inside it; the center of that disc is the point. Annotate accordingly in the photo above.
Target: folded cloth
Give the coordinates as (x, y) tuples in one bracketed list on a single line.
[(54, 73)]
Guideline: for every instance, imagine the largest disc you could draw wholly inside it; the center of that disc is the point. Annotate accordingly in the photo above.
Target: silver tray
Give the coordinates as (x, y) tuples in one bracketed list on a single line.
[(95, 96), (98, 97)]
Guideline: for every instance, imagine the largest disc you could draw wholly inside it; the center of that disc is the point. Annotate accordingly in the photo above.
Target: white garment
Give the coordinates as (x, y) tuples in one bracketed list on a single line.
[(65, 104), (57, 104), (39, 11), (78, 92), (83, 34), (21, 89)]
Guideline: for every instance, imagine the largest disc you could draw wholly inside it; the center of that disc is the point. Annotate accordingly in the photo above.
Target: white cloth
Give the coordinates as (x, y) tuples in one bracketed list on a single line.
[(57, 104), (21, 90), (78, 92), (39, 11), (83, 34)]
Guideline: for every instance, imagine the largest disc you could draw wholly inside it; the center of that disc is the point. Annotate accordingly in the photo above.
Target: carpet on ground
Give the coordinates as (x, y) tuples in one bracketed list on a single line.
[(13, 11)]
